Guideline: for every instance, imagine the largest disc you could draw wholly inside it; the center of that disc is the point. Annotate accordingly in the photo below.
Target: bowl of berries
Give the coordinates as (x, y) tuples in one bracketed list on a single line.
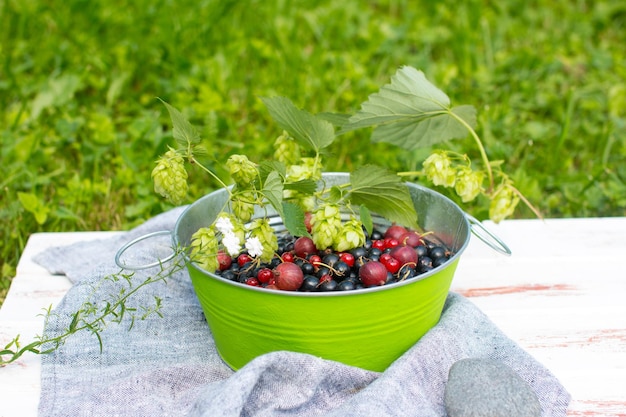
[(362, 305), (353, 267)]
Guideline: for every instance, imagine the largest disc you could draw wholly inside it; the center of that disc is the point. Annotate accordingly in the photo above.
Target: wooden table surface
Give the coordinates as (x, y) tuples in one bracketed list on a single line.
[(561, 296)]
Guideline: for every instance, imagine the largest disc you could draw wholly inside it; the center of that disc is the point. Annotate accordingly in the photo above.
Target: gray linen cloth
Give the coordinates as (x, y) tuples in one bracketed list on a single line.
[(168, 366)]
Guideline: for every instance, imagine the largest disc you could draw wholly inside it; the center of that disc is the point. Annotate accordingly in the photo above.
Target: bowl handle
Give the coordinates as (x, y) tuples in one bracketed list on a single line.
[(159, 261), (482, 233)]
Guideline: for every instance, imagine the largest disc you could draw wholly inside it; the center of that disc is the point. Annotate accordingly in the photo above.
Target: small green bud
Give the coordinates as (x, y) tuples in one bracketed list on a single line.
[(170, 177), (439, 170), (468, 183), (241, 169), (503, 203)]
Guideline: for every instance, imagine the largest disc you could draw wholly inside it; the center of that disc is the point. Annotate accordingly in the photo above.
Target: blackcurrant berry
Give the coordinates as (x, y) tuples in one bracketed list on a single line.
[(376, 235), (437, 252), (406, 272), (322, 270), (346, 285), (424, 261), (439, 261), (229, 275), (359, 252), (327, 285), (309, 283), (307, 268), (331, 259), (341, 270)]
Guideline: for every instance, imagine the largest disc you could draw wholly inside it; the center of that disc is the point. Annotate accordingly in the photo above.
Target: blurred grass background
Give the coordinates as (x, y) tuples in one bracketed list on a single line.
[(81, 127)]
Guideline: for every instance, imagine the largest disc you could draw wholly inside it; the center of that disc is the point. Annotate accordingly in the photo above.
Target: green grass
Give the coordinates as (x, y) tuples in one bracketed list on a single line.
[(81, 127)]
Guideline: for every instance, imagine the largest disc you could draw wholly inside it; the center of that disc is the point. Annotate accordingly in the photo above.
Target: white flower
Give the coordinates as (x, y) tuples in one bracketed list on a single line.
[(231, 242), (224, 225), (254, 246)]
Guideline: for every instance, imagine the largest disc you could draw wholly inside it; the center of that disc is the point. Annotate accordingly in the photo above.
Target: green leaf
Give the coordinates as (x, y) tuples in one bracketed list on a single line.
[(184, 133), (366, 219), (272, 165), (410, 112), (273, 191), (293, 219), (307, 187), (308, 130), (335, 194), (410, 135), (383, 192), (268, 166), (337, 119), (34, 205)]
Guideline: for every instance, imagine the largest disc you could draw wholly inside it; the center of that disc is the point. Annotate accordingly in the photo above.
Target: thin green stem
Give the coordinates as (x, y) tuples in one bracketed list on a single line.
[(211, 173), (481, 148)]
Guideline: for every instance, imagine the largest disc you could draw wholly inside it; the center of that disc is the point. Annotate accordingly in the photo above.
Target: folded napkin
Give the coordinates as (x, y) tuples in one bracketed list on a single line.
[(169, 366)]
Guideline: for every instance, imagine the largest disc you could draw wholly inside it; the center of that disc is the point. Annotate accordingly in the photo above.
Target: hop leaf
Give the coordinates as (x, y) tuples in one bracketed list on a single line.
[(383, 192), (411, 112), (184, 133), (170, 177), (308, 130)]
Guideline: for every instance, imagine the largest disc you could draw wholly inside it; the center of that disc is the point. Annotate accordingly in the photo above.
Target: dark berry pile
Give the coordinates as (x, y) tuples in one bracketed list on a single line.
[(394, 256)]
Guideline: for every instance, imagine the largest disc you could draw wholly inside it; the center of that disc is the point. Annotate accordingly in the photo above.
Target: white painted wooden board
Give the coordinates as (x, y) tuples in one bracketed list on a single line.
[(560, 296)]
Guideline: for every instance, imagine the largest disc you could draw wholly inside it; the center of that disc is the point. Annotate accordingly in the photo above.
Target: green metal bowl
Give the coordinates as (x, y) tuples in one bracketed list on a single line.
[(367, 328)]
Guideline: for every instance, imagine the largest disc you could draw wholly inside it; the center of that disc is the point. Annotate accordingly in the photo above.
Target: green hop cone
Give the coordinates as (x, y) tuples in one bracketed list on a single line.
[(227, 223), (306, 169), (286, 150), (204, 247), (438, 169), (351, 236), (243, 205), (261, 229), (468, 183), (241, 169), (325, 225), (503, 203), (170, 177)]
